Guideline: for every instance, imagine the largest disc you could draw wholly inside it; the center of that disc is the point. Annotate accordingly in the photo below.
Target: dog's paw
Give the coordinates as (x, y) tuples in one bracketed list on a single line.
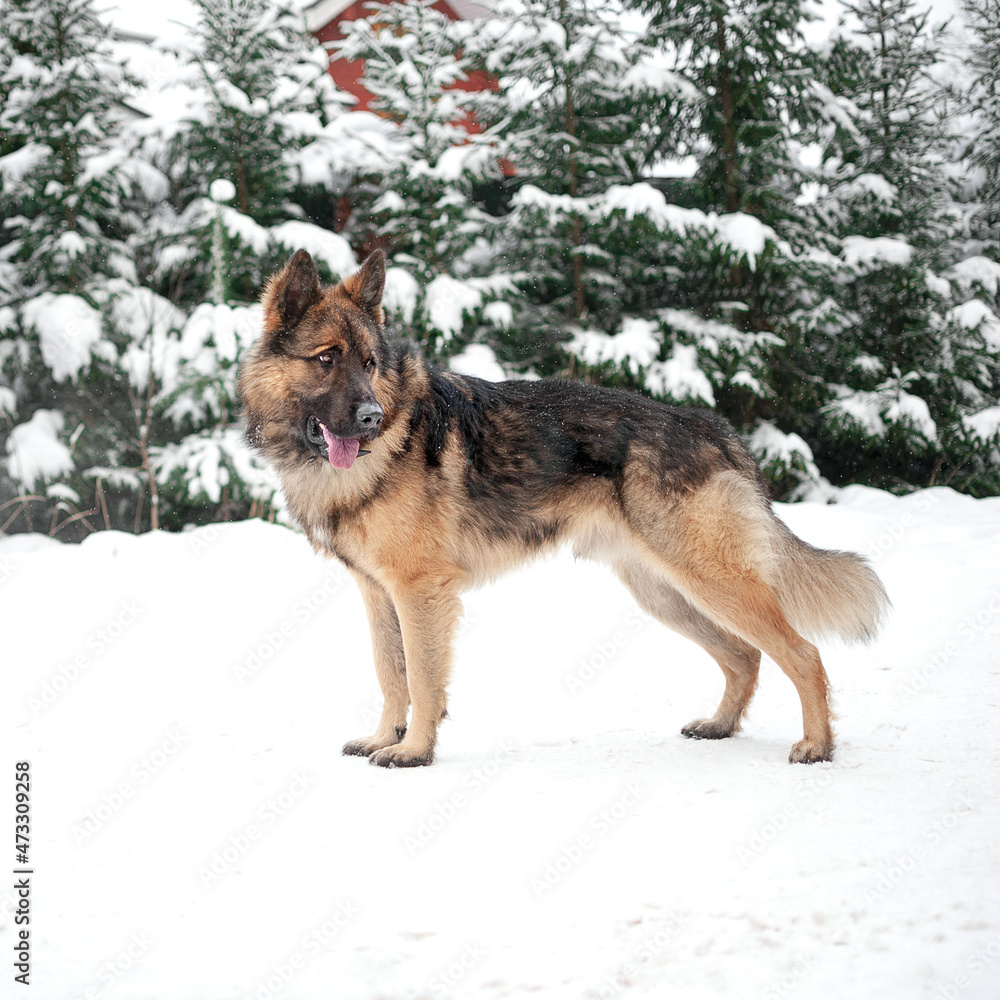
[(401, 755), (708, 729), (367, 745), (810, 752)]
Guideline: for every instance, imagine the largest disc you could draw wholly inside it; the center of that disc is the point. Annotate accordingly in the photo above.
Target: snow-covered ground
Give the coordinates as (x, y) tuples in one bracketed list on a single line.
[(196, 834)]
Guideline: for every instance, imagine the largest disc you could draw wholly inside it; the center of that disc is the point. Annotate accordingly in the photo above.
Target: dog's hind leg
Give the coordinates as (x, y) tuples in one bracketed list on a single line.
[(717, 548), (739, 660), (390, 668), (748, 607), (428, 609)]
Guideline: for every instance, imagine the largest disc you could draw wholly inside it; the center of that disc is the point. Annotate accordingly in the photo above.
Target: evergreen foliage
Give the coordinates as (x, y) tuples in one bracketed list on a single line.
[(749, 62), (424, 211), (256, 93), (680, 197), (983, 98), (62, 92), (904, 367)]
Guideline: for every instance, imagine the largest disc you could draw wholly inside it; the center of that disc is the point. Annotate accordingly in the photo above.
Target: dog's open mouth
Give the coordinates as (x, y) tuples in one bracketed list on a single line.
[(341, 452)]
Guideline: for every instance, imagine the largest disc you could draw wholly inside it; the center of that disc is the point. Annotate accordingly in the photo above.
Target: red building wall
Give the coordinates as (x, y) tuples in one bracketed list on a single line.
[(347, 73)]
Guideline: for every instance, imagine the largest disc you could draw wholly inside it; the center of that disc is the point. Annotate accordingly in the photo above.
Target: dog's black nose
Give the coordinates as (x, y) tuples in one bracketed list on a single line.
[(370, 416)]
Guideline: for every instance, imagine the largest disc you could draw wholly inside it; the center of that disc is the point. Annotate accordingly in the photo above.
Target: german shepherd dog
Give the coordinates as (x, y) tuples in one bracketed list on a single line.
[(424, 483)]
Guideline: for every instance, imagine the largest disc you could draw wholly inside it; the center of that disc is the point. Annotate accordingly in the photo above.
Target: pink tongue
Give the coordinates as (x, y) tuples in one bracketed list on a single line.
[(342, 451)]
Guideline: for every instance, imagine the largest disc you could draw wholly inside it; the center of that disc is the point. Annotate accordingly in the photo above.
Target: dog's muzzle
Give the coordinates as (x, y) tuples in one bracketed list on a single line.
[(341, 451)]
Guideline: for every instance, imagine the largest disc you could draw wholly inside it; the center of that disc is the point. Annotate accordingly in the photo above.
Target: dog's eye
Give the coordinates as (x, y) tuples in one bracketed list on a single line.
[(326, 358), (370, 365)]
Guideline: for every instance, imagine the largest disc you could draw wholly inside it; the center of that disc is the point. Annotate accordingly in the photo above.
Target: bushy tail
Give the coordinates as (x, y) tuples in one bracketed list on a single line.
[(824, 592)]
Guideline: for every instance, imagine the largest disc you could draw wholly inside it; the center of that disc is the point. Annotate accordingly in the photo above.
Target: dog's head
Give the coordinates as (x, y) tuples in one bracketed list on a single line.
[(314, 384)]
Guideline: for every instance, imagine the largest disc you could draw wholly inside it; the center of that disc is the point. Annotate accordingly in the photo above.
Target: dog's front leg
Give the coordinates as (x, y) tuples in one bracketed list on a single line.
[(390, 667), (428, 609)]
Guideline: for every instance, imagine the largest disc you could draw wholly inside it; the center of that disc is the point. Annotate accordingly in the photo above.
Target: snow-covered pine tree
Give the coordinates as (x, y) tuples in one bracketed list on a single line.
[(414, 68), (758, 109), (110, 391), (256, 92), (983, 97), (897, 129), (63, 94), (614, 249), (242, 157), (559, 62), (752, 66), (64, 98), (902, 366), (259, 69), (976, 277), (579, 109), (424, 211)]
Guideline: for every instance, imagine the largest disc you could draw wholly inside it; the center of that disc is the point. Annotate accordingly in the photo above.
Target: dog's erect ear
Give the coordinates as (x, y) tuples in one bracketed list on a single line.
[(365, 287), (295, 289)]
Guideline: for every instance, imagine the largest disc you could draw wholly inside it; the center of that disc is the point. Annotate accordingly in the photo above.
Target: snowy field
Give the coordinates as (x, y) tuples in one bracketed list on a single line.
[(182, 700)]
